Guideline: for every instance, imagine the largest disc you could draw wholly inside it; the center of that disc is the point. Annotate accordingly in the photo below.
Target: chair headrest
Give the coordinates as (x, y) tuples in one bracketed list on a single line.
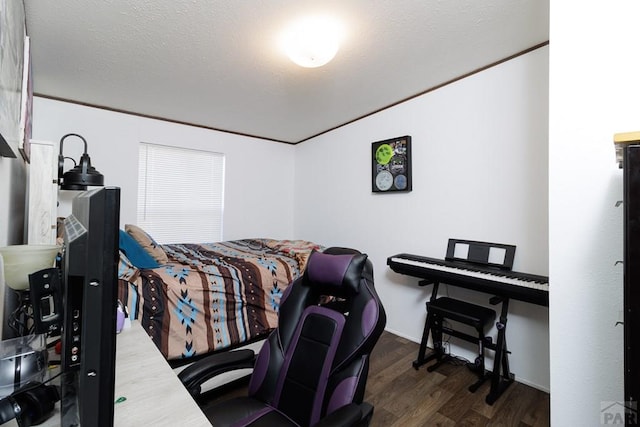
[(337, 275)]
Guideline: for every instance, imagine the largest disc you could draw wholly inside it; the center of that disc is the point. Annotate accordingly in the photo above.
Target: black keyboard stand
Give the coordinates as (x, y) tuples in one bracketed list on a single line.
[(481, 318)]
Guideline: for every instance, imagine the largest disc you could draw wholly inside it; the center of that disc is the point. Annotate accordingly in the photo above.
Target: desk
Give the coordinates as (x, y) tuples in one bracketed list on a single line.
[(154, 394)]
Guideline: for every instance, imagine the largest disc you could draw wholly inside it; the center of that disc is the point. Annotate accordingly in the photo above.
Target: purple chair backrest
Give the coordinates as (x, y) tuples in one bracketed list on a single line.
[(317, 359)]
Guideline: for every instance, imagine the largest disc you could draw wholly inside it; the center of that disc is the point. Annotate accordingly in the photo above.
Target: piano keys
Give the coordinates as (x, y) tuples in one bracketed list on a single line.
[(487, 279)]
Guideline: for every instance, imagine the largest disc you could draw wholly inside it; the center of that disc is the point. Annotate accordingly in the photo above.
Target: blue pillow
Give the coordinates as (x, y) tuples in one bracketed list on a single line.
[(136, 253)]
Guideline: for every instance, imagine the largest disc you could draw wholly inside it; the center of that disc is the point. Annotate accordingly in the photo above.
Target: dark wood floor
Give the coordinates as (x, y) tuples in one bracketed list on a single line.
[(405, 397)]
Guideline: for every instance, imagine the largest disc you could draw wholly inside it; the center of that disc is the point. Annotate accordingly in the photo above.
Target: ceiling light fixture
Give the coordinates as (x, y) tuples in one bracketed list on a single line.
[(312, 41)]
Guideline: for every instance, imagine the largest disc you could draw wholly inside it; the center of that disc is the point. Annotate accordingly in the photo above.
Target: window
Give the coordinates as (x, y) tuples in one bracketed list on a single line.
[(180, 194)]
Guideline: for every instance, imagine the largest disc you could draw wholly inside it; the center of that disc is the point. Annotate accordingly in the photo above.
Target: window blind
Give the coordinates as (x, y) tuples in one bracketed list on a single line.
[(180, 194)]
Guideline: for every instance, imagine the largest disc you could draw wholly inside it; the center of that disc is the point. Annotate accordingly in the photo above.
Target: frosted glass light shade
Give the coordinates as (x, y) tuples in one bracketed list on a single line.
[(21, 260), (312, 41)]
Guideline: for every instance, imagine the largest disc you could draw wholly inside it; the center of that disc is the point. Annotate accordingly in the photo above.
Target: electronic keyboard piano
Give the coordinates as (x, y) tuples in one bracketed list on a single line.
[(488, 279), (480, 266)]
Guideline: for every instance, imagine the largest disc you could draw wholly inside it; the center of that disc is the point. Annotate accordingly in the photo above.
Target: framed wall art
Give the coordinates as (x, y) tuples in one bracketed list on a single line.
[(12, 36), (391, 165)]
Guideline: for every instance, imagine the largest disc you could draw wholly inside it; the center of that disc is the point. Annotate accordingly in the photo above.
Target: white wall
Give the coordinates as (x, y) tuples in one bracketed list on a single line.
[(594, 93), (259, 174), (479, 172)]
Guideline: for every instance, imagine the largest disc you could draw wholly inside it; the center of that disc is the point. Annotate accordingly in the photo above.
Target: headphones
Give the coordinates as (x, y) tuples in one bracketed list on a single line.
[(33, 402), (29, 405)]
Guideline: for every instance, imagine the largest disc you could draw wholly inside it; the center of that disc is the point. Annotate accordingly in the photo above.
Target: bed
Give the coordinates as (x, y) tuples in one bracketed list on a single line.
[(210, 296)]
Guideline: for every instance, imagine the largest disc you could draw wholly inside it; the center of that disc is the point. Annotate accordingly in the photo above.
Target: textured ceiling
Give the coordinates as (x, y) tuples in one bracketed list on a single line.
[(217, 63)]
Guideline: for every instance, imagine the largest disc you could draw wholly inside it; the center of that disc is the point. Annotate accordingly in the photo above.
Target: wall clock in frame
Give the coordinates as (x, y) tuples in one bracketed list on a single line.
[(391, 165)]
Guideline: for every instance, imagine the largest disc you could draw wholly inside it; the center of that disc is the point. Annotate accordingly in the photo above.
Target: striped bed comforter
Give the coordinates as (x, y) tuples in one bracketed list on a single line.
[(212, 296)]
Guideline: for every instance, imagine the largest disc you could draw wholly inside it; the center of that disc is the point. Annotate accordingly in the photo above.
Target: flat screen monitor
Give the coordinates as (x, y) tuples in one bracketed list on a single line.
[(89, 291)]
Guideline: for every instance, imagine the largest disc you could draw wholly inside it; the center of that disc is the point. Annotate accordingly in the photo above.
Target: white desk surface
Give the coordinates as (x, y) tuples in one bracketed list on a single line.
[(154, 394)]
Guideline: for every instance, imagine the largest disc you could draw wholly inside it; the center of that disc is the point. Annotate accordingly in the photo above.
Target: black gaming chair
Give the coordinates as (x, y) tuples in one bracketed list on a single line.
[(313, 368)]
